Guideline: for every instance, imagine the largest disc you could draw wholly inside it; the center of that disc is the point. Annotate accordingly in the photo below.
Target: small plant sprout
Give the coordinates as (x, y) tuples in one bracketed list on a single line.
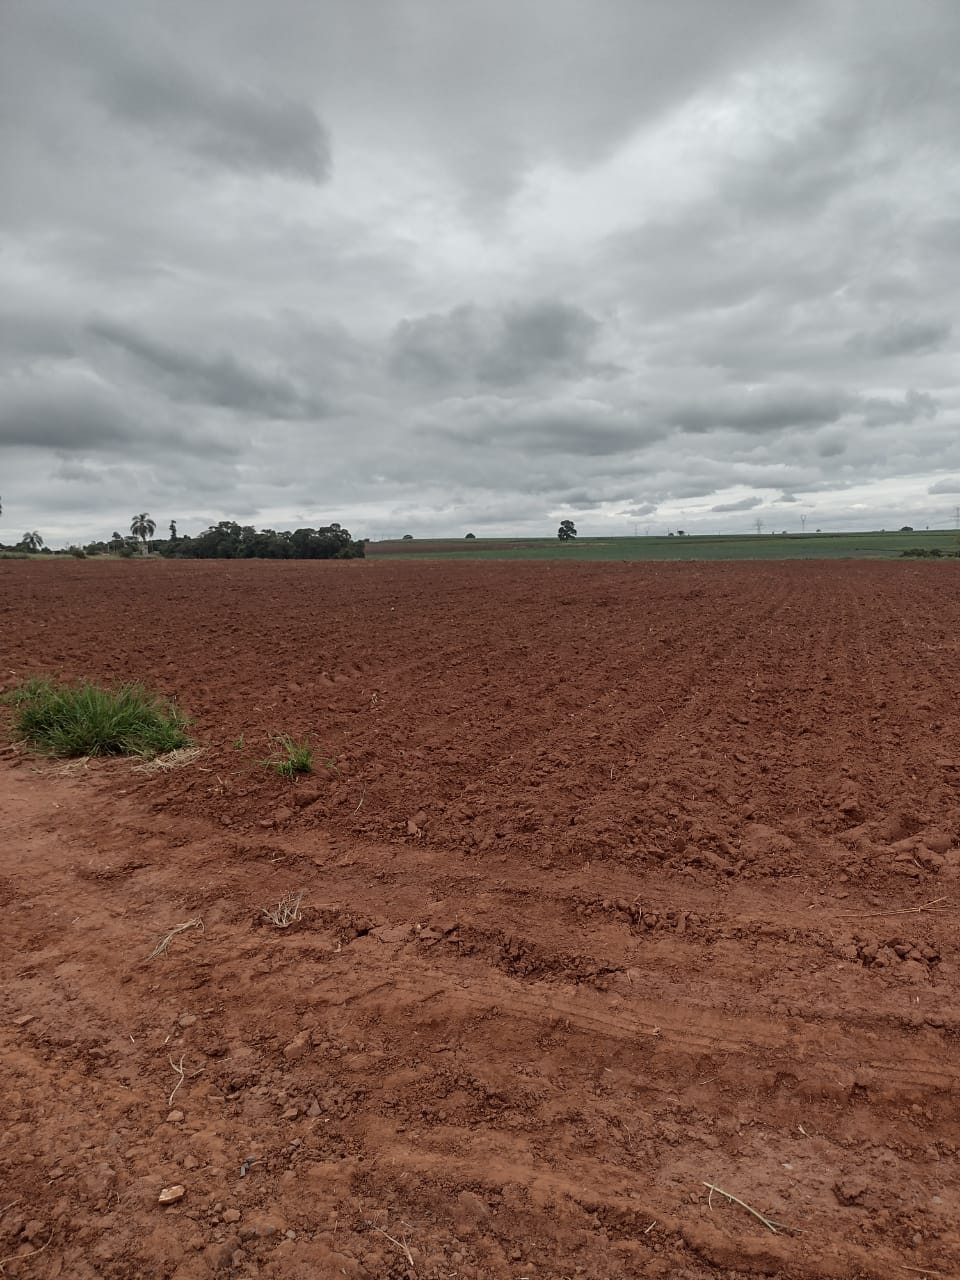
[(291, 758), (286, 912)]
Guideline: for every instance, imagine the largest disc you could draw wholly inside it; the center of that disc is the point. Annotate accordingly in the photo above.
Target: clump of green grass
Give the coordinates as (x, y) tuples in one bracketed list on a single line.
[(86, 719), (292, 757)]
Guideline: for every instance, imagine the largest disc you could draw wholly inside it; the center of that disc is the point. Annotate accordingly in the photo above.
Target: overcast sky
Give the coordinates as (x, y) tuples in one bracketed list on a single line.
[(435, 265)]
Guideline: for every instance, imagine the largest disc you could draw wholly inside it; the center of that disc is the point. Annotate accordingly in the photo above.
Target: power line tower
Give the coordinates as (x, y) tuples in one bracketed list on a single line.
[(758, 525)]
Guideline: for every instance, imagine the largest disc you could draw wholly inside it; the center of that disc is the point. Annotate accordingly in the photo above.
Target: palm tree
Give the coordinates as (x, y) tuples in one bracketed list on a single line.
[(31, 541), (143, 527)]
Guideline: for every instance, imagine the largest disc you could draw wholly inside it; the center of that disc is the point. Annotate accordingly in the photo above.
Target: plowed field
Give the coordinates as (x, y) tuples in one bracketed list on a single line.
[(618, 881)]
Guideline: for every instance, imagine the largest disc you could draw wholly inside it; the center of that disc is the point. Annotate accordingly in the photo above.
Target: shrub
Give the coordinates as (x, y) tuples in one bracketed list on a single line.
[(352, 551), (87, 720)]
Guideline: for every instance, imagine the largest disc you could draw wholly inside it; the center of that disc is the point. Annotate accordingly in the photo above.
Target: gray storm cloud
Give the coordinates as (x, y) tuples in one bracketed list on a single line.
[(745, 504), (234, 126), (215, 379), (517, 344), (461, 264)]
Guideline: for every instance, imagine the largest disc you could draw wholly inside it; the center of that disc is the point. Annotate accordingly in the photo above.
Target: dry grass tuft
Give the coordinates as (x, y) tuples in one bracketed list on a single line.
[(286, 912)]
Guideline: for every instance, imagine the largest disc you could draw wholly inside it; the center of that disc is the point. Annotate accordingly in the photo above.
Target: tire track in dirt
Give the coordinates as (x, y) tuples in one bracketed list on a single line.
[(513, 1051)]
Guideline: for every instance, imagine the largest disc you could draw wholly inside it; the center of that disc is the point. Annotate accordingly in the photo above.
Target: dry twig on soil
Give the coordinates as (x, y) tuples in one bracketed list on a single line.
[(178, 1067), (286, 912), (161, 947), (19, 1257), (896, 911), (401, 1244), (769, 1223)]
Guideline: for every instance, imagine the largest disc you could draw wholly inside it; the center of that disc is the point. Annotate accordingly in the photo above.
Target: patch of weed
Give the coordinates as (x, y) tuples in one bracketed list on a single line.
[(86, 719), (292, 757)]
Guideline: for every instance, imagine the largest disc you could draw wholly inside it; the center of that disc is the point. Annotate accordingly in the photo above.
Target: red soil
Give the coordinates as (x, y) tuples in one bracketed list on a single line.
[(614, 886)]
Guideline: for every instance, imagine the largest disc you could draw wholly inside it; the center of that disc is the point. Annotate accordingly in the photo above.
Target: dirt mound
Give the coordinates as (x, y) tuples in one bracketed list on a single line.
[(618, 881)]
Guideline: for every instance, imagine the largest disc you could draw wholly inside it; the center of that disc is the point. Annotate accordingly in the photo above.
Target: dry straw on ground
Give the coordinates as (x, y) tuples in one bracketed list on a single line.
[(162, 946), (171, 760), (286, 912)]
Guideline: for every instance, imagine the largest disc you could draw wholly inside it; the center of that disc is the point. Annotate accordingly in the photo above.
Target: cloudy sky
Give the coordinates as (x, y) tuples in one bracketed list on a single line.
[(435, 265)]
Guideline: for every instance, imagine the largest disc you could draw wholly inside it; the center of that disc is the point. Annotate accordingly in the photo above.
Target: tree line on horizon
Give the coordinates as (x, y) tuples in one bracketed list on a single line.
[(226, 540), (231, 541)]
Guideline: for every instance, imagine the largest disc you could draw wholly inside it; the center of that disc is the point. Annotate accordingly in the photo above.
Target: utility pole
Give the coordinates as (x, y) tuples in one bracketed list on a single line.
[(758, 525), (956, 517), (803, 524)]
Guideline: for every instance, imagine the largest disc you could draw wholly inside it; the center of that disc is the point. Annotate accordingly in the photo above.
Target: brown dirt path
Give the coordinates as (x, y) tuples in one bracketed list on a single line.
[(509, 1040)]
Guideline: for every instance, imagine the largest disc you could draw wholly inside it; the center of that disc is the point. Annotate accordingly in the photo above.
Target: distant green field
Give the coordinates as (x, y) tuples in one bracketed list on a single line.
[(794, 546)]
